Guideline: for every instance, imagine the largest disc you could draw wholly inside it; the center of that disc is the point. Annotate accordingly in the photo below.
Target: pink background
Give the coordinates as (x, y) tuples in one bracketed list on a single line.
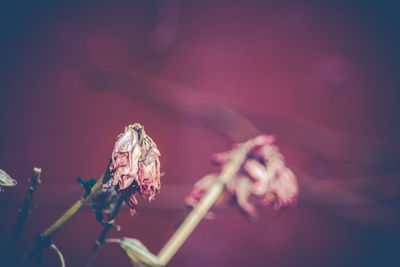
[(335, 65)]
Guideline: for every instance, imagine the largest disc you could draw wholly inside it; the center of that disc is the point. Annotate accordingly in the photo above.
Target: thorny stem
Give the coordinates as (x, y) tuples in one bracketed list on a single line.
[(103, 234), (50, 231), (212, 194)]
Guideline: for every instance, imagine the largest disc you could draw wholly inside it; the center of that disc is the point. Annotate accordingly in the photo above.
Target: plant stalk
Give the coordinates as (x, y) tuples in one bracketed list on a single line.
[(52, 229), (212, 194), (103, 234), (23, 215)]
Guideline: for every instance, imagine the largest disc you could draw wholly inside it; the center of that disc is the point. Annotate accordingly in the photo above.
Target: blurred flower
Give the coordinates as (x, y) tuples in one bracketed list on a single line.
[(135, 166), (262, 181)]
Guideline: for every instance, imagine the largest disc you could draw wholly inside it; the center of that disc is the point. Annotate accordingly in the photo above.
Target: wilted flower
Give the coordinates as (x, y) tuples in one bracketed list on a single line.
[(135, 165), (263, 179)]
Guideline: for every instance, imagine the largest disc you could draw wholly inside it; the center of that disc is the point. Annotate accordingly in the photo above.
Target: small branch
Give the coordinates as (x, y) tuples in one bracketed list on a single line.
[(103, 234), (23, 215), (50, 231), (212, 194)]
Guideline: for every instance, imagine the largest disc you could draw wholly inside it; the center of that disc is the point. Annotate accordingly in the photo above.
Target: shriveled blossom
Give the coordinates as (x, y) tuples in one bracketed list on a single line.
[(262, 181), (135, 166)]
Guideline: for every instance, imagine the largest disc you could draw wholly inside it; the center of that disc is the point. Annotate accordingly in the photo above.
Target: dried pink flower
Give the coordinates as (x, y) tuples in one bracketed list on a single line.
[(135, 166), (263, 179)]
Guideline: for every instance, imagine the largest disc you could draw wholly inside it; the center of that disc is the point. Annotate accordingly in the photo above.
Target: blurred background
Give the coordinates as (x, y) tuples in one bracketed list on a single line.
[(323, 77)]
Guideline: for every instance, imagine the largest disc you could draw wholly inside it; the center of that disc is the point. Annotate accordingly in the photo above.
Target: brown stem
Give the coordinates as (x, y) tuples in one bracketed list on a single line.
[(103, 234), (23, 215), (52, 229)]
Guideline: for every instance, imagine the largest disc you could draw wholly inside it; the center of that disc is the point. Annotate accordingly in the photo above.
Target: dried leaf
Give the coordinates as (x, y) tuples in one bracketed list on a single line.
[(139, 255), (263, 179), (6, 180)]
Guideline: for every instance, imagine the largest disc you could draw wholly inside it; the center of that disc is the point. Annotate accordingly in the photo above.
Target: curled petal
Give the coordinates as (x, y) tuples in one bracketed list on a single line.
[(126, 141), (129, 196), (221, 158), (263, 179), (263, 140), (285, 188), (148, 179), (243, 196), (260, 174), (199, 189), (266, 152), (125, 182)]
